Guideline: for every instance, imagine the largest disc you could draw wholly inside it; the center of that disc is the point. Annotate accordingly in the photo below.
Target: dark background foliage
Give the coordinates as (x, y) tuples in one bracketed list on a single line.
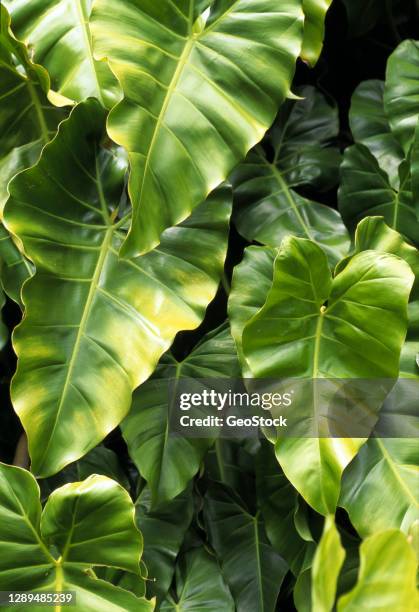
[(356, 48)]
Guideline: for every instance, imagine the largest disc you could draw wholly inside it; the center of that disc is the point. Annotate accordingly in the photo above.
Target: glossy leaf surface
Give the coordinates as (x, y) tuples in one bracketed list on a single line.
[(267, 206), (387, 576), (27, 119), (327, 564), (110, 318), (402, 91), (84, 524), (295, 333), (179, 70), (315, 13), (58, 33), (166, 461)]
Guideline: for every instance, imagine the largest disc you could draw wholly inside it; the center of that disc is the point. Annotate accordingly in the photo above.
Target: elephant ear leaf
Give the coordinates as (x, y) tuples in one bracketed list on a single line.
[(306, 314), (169, 462), (267, 205), (387, 576), (82, 525), (27, 119), (315, 13), (59, 35), (109, 319), (177, 71)]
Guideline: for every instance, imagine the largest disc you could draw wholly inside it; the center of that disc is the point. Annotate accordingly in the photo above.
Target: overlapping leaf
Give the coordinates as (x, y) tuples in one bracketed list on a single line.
[(168, 462), (395, 462), (306, 316), (387, 576), (27, 119), (58, 32), (15, 268), (268, 207), (163, 530), (199, 585), (402, 91), (327, 564), (252, 279), (180, 71), (83, 524), (366, 190), (109, 319)]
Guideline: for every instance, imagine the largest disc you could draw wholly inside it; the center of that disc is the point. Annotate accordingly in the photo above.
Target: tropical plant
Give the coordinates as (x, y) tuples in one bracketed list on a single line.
[(184, 202)]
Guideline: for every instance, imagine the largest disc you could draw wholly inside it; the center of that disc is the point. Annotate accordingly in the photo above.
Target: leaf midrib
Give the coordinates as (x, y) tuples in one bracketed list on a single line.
[(81, 331)]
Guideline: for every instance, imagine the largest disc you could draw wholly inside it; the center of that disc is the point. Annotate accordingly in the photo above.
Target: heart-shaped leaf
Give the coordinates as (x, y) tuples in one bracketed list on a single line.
[(306, 315), (82, 525)]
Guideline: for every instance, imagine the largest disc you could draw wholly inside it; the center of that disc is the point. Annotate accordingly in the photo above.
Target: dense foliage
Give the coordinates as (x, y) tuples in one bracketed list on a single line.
[(201, 189)]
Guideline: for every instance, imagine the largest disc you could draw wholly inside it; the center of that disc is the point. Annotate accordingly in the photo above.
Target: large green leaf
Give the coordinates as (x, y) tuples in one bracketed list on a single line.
[(366, 190), (27, 119), (108, 320), (401, 95), (252, 568), (252, 279), (307, 315), (194, 104), (308, 312), (15, 268), (163, 531), (58, 32), (166, 461), (83, 524), (327, 564), (267, 206), (390, 461), (370, 127), (387, 576), (199, 586), (315, 13)]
